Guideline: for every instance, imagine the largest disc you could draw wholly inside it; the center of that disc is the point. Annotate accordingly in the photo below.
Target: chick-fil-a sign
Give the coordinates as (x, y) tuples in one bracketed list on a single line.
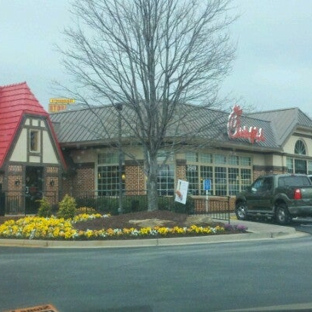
[(235, 130)]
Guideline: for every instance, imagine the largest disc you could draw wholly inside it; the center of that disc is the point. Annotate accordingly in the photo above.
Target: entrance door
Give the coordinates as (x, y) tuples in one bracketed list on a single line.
[(33, 190)]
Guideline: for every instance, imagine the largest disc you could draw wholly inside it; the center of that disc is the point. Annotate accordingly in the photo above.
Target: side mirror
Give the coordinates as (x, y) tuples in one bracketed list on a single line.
[(247, 189)]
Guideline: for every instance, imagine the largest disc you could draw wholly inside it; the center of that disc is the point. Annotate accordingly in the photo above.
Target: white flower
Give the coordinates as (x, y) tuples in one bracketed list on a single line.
[(32, 234)]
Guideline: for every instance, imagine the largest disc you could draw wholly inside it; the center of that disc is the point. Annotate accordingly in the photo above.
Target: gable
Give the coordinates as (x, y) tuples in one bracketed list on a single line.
[(42, 152), (16, 102)]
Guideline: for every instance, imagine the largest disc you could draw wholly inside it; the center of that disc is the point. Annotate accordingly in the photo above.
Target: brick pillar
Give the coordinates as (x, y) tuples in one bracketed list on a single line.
[(180, 169), (264, 170), (135, 177), (15, 189), (52, 185), (84, 180)]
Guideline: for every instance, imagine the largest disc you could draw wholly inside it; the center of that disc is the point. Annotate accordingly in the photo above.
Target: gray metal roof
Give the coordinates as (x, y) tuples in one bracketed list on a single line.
[(284, 121), (86, 125), (98, 125)]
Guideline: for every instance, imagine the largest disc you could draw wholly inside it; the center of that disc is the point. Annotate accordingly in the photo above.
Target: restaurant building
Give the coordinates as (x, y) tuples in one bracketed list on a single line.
[(231, 153), (78, 151)]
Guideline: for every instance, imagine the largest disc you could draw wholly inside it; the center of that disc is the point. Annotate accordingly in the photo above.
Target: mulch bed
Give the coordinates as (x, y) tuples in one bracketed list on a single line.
[(122, 221)]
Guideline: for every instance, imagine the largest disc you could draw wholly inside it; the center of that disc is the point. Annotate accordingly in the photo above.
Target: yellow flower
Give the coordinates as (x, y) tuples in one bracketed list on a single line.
[(145, 231), (163, 231), (110, 232), (37, 227)]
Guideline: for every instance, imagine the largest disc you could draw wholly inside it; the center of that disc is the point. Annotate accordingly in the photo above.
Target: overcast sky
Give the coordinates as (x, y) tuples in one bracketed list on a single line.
[(273, 68)]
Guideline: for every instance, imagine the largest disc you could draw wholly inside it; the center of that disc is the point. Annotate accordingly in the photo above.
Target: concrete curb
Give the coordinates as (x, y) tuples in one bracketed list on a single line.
[(221, 238)]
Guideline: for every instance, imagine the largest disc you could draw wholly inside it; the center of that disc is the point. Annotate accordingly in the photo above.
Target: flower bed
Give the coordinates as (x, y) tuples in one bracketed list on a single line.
[(60, 229)]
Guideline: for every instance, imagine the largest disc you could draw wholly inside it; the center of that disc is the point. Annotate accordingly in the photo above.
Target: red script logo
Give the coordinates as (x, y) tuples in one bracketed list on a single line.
[(235, 131)]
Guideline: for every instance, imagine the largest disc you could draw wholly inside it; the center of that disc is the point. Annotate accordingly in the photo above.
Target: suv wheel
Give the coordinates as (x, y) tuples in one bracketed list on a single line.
[(282, 215), (241, 211)]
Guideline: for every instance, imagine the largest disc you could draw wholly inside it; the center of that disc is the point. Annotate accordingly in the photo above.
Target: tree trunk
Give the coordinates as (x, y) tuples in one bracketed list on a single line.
[(152, 193)]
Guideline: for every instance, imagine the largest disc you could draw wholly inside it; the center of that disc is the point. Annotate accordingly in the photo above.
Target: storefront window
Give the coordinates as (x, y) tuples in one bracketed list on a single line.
[(206, 173), (108, 174), (233, 181), (226, 174), (206, 158), (245, 161), (245, 179), (220, 181), (193, 179), (289, 164), (300, 148), (220, 159), (165, 179), (191, 156), (233, 160), (108, 158), (165, 174), (299, 165)]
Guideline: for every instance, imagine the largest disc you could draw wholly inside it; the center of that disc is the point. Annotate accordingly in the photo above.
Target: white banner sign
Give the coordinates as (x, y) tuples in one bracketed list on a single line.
[(181, 192)]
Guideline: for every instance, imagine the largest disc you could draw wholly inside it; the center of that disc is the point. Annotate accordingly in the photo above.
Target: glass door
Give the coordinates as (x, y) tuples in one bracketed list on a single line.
[(33, 189)]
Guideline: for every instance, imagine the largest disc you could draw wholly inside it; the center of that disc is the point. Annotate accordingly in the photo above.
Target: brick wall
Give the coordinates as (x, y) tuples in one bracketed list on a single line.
[(215, 204), (15, 183), (180, 169), (15, 178), (135, 178), (264, 170), (67, 186), (81, 183), (52, 185)]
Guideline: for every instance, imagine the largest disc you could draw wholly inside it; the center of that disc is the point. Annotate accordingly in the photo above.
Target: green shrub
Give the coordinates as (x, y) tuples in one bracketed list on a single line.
[(67, 207), (45, 209)]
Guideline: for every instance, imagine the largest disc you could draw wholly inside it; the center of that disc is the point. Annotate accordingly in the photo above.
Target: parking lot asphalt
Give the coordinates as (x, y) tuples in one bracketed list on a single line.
[(255, 231)]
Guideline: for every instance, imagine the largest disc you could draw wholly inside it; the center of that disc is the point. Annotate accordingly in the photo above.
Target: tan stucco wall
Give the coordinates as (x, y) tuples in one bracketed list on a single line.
[(84, 156), (90, 155), (48, 152), (289, 147), (20, 151)]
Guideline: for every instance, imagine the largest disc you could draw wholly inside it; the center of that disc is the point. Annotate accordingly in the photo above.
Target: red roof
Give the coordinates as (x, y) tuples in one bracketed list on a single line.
[(15, 101)]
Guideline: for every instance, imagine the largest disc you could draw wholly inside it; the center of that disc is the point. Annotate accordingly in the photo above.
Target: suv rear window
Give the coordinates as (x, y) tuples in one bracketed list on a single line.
[(294, 181)]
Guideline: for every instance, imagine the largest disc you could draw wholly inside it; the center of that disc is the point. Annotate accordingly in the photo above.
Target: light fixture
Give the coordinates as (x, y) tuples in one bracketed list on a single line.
[(17, 182), (52, 183)]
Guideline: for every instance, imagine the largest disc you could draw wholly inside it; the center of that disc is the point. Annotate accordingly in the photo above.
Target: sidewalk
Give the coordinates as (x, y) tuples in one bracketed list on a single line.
[(256, 231)]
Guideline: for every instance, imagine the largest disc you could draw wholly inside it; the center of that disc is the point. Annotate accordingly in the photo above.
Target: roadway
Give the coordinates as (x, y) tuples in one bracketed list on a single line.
[(273, 274)]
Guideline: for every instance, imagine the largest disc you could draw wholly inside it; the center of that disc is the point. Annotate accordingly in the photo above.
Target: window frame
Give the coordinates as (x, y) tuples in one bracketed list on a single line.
[(108, 174), (34, 145), (222, 169)]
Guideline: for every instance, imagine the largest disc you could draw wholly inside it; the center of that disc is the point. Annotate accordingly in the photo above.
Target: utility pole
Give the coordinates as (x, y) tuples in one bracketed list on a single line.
[(119, 109)]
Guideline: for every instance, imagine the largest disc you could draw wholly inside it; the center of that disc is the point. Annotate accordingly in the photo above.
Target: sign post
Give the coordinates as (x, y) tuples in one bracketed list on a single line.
[(207, 187)]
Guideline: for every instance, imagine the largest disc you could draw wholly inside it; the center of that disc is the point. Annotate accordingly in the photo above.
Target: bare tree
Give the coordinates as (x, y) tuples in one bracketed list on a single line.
[(153, 56)]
